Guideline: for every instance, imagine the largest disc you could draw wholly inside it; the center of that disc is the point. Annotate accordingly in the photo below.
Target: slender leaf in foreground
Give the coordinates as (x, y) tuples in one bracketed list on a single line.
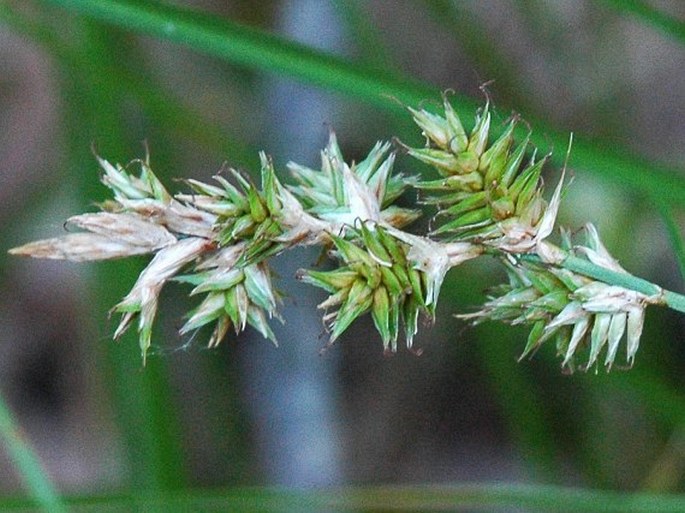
[(421, 498), (27, 463)]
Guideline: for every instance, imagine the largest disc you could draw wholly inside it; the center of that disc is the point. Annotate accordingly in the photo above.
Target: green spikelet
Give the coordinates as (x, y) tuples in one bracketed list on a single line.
[(376, 277), (482, 184), (581, 315), (335, 192)]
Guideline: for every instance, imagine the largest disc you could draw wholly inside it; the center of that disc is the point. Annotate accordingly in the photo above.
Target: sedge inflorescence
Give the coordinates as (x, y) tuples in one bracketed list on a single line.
[(220, 238)]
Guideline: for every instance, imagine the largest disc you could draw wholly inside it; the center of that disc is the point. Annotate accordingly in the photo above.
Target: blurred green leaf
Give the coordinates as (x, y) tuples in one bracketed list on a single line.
[(257, 49), (674, 235), (27, 464), (651, 16), (419, 498)]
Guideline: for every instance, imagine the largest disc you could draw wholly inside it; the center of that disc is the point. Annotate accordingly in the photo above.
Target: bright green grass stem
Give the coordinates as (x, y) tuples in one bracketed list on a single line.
[(673, 300), (29, 467), (651, 15)]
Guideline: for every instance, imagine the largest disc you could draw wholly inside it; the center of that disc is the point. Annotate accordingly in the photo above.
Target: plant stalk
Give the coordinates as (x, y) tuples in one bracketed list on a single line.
[(578, 265), (27, 463)]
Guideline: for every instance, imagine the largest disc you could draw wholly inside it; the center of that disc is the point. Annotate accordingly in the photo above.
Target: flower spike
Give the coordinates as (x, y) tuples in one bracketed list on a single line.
[(581, 314), (219, 237)]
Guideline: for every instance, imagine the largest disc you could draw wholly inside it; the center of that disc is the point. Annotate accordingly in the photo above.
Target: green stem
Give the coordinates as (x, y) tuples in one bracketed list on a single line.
[(673, 300), (143, 399), (250, 47), (27, 463)]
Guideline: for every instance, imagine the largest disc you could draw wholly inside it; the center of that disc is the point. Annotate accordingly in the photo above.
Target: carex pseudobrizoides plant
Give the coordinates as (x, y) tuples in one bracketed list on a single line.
[(219, 238)]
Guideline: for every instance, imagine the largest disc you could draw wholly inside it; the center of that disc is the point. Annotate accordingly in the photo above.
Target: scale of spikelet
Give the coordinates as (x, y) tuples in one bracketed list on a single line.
[(577, 312), (377, 276), (486, 191)]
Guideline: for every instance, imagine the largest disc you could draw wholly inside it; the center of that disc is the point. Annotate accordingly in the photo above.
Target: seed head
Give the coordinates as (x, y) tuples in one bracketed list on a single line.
[(236, 296), (394, 275), (581, 314), (343, 194), (486, 193), (489, 198)]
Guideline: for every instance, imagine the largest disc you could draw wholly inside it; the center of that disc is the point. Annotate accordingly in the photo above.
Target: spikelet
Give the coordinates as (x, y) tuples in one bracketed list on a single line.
[(375, 275), (208, 235), (489, 193), (582, 315), (235, 296), (343, 194)]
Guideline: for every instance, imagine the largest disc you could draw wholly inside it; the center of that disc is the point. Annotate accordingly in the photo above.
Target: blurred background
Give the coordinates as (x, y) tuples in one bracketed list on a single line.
[(248, 413)]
